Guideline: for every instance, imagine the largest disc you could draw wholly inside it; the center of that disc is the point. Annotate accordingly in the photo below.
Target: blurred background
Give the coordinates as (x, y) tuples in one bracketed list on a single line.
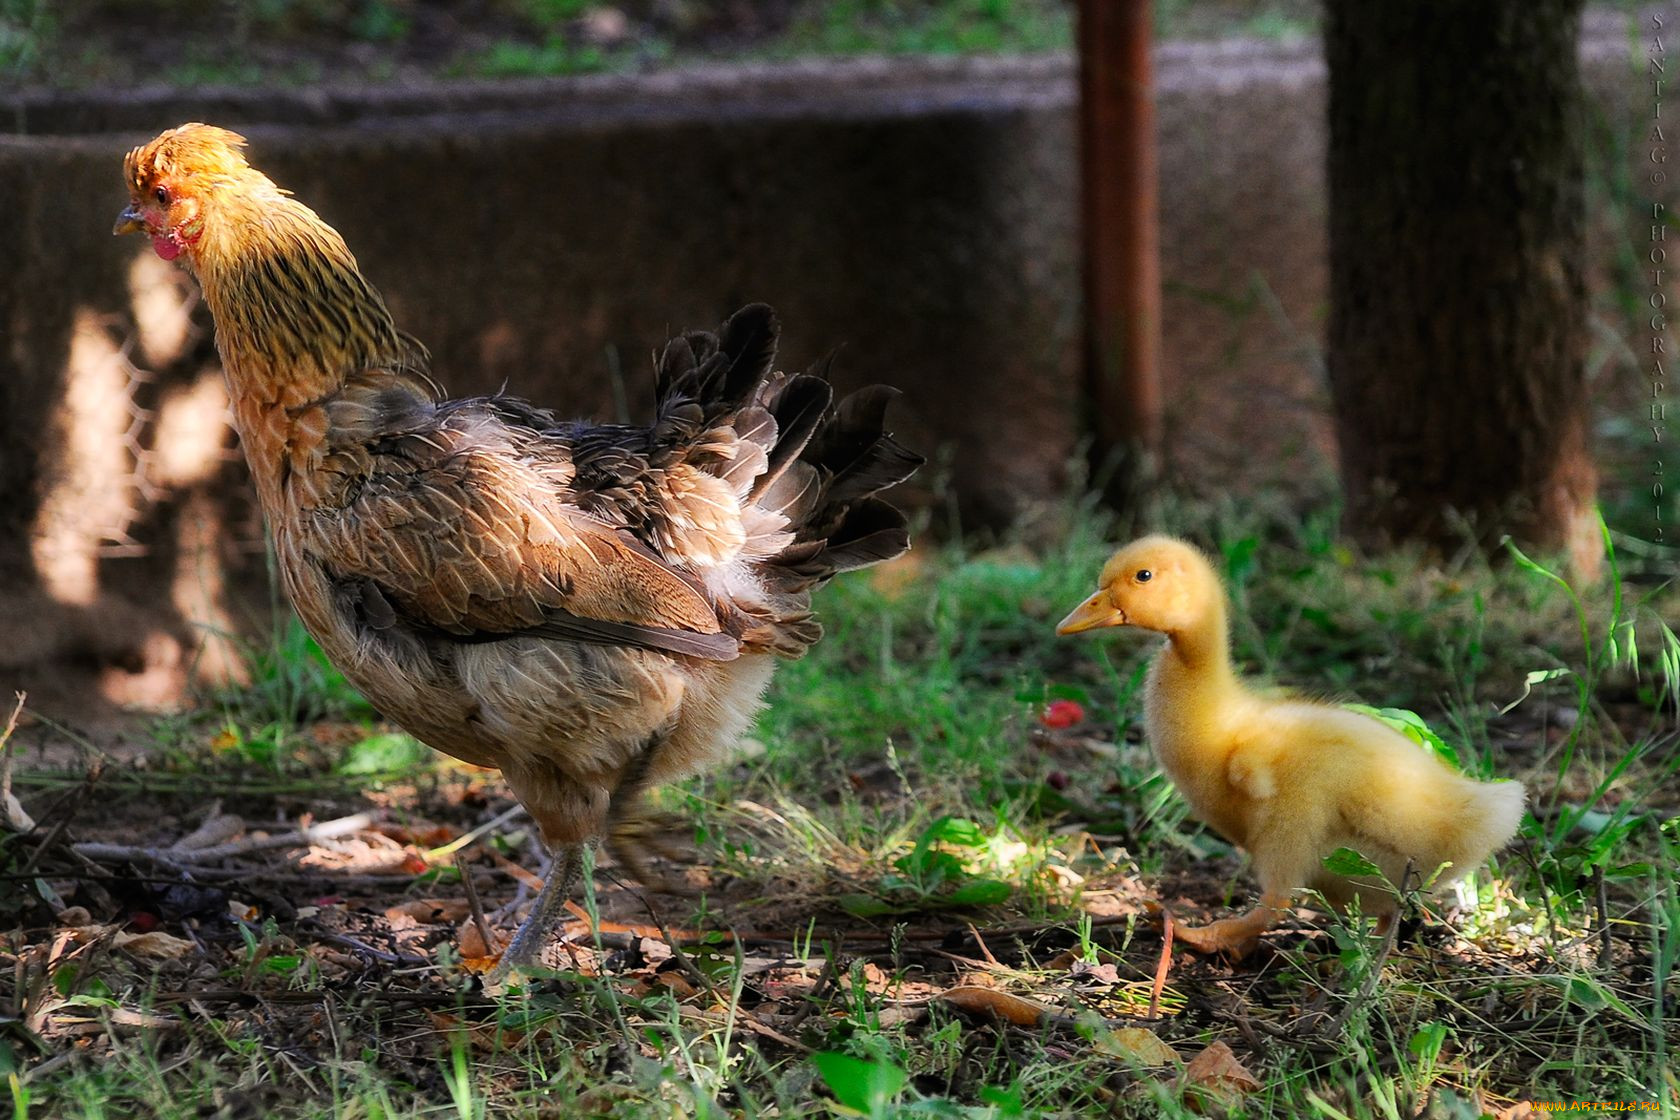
[(544, 188)]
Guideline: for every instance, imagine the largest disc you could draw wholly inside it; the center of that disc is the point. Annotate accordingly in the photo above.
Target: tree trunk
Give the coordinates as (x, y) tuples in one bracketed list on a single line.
[(1458, 312), (1122, 244)]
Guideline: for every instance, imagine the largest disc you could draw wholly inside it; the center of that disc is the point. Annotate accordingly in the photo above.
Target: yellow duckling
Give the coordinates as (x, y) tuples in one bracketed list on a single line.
[(1287, 779)]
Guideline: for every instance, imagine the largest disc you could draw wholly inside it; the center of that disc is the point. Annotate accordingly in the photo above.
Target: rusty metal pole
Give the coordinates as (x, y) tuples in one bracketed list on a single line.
[(1122, 241)]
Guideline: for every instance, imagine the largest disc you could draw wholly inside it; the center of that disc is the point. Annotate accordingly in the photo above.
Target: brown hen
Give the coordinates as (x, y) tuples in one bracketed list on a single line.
[(589, 608)]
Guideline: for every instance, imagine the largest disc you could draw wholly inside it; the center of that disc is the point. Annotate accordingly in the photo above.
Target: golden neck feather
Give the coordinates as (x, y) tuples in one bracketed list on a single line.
[(295, 319), (294, 315)]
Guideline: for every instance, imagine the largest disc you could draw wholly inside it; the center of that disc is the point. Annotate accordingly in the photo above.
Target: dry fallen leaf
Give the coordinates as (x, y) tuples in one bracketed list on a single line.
[(484, 1038), (217, 829), (156, 945), (989, 1001), (13, 813), (677, 984), (469, 941), (1138, 1046), (428, 911), (1219, 1076)]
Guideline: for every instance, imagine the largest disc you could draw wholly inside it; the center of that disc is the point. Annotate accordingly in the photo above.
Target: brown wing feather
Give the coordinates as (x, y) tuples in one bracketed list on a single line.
[(465, 534)]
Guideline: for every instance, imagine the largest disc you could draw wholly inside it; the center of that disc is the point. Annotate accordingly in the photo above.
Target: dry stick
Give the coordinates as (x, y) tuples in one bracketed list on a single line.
[(682, 958), (474, 903), (1162, 965), (825, 979), (345, 941), (41, 849), (172, 856), (7, 801), (1606, 949), (474, 835), (984, 948)]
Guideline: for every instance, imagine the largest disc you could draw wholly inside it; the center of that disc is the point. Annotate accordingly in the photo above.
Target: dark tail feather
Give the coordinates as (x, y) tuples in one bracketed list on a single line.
[(804, 458), (719, 372), (799, 405), (851, 458), (856, 447), (872, 531), (749, 341)]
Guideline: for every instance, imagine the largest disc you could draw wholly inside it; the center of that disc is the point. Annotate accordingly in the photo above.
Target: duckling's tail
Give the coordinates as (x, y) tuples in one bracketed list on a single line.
[(1493, 812)]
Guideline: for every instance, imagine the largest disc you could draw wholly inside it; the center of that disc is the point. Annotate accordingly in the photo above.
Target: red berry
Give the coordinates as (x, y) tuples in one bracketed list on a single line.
[(1062, 713)]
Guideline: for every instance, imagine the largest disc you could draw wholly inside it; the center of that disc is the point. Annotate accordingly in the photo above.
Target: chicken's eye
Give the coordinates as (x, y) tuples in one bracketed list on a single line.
[(162, 195), (1144, 575)]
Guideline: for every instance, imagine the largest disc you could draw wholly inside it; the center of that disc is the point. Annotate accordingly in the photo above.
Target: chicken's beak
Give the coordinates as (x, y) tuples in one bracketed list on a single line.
[(129, 221), (1094, 613)]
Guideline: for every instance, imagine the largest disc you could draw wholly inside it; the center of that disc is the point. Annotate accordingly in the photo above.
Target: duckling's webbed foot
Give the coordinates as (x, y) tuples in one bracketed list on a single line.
[(1235, 937)]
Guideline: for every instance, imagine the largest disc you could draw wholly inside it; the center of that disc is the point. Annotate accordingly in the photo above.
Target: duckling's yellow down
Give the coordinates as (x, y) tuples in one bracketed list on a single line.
[(1289, 780)]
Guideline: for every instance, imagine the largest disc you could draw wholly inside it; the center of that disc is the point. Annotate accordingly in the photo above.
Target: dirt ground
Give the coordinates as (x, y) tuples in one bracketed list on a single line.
[(288, 907)]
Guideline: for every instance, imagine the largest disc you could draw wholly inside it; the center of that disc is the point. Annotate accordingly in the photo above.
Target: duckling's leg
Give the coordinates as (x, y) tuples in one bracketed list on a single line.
[(1236, 936), (1282, 849)]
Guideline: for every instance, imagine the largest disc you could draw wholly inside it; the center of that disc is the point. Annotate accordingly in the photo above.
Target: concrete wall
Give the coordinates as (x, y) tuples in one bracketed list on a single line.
[(920, 216)]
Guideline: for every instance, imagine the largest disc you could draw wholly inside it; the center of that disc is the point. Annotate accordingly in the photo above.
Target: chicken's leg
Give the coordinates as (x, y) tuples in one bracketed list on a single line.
[(532, 936), (634, 829)]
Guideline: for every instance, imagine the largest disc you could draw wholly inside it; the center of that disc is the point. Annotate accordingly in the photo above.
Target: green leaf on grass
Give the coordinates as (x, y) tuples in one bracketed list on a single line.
[(1347, 862), (1413, 727), (866, 1087), (1588, 993), (980, 892), (867, 906), (383, 754)]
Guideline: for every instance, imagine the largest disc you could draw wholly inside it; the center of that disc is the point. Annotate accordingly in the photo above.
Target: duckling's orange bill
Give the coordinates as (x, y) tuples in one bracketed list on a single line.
[(1094, 613)]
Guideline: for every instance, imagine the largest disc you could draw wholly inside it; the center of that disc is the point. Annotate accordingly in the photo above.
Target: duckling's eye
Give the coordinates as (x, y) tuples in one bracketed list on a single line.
[(1144, 575), (162, 195)]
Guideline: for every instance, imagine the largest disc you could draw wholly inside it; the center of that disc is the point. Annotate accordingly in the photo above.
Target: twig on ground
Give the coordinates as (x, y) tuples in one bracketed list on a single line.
[(348, 942), (173, 856), (474, 903), (45, 846), (1162, 965), (51, 1065), (682, 958), (468, 838), (985, 949), (825, 980), (11, 809)]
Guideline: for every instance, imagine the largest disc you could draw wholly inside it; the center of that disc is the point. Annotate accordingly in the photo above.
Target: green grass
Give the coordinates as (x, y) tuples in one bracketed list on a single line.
[(908, 785)]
